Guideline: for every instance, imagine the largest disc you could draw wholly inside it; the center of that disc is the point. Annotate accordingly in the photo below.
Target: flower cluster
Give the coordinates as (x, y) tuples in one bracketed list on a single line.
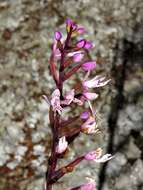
[(67, 58)]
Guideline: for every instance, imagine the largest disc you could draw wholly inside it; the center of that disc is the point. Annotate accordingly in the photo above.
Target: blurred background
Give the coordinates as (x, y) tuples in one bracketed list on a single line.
[(26, 34)]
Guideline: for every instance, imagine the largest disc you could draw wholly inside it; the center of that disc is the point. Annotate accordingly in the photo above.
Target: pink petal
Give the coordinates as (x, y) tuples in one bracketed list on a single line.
[(74, 26), (55, 101), (81, 30), (91, 155), (88, 45), (78, 57), (81, 43), (88, 186), (90, 95), (68, 98), (89, 66), (56, 93)]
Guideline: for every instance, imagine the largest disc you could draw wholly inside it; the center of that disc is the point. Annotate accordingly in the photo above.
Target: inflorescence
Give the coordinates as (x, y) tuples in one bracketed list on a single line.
[(67, 58)]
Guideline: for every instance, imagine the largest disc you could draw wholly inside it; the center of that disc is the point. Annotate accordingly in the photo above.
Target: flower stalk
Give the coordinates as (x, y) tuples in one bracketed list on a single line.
[(64, 131)]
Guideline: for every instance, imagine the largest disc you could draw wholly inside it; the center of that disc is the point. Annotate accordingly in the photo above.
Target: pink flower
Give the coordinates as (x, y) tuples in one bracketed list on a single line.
[(55, 101), (81, 30), (62, 145), (58, 35), (81, 43), (89, 126), (96, 156), (93, 154), (88, 66), (88, 45), (69, 98), (90, 95), (97, 81), (78, 57)]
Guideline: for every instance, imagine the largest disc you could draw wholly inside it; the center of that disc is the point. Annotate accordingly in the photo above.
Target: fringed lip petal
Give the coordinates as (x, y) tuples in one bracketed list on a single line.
[(97, 81)]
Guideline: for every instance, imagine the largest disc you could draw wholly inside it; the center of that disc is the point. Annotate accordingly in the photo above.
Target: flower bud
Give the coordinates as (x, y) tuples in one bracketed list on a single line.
[(58, 35), (81, 43), (84, 115), (69, 24), (62, 145)]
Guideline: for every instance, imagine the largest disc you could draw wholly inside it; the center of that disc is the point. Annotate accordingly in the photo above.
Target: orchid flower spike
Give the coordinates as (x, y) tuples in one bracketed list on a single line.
[(62, 145)]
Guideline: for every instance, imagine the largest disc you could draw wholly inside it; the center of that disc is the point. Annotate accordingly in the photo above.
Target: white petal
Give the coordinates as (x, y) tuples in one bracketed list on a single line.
[(104, 158)]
